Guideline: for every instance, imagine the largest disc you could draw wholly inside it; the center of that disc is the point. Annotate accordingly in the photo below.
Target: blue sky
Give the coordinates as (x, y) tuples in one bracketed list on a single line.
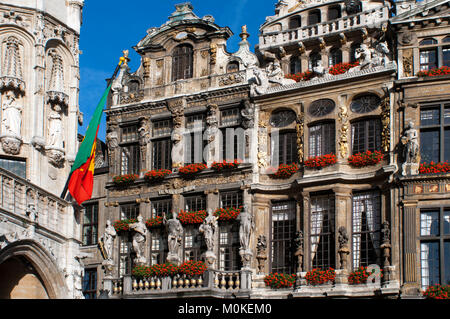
[(112, 26)]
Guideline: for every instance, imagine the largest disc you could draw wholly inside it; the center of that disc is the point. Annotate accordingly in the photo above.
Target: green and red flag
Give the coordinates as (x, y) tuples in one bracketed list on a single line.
[(81, 178)]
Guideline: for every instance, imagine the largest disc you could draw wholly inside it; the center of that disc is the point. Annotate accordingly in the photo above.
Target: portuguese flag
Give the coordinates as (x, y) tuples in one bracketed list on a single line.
[(81, 178)]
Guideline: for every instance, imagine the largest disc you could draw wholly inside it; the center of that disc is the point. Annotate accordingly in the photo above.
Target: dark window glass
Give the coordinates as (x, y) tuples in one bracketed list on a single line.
[(90, 284), (295, 65), (229, 244), (14, 166), (233, 67), (126, 254), (162, 154), (322, 231), (195, 203), (232, 138), (428, 42), (194, 243), (231, 199), (322, 139), (334, 13), (435, 246), (428, 57), (90, 225), (435, 133), (282, 118), (161, 206), (353, 48), (365, 103), (283, 231), (287, 148), (295, 22), (182, 62), (230, 117), (321, 107), (314, 58), (314, 17), (366, 229), (129, 211), (366, 136), (159, 248), (335, 57), (446, 56), (194, 142), (130, 152)]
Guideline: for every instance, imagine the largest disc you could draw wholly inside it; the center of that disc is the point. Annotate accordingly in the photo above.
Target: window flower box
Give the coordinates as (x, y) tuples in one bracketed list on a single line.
[(124, 225), (164, 270), (220, 166), (365, 159), (154, 222), (438, 292), (304, 76), (360, 276), (319, 162), (227, 214), (156, 175), (192, 268), (434, 168), (277, 281), (445, 70), (191, 218), (285, 171), (320, 277), (342, 68), (192, 169), (123, 180), (141, 271)]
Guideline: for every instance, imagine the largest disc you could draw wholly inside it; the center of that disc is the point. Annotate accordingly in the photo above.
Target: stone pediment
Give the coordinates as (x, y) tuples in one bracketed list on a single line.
[(438, 9)]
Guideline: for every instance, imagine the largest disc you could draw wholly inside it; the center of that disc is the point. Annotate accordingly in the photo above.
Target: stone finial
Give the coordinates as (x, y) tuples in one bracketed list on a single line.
[(12, 75), (244, 35)]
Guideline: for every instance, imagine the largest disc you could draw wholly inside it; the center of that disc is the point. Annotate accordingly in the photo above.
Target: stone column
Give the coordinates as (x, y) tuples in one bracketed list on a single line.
[(343, 218), (305, 207), (411, 284)]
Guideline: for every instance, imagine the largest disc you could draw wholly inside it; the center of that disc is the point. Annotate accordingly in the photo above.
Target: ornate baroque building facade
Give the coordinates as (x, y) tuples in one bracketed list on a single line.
[(39, 84), (330, 120)]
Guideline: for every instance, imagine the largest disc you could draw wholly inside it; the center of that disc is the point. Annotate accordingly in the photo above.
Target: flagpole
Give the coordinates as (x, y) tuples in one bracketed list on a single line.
[(122, 59)]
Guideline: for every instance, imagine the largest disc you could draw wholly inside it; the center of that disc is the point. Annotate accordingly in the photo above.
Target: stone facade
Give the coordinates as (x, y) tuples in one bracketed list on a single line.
[(39, 85), (347, 214)]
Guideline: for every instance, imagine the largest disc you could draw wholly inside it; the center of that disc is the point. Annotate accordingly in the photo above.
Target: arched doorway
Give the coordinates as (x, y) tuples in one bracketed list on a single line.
[(27, 271)]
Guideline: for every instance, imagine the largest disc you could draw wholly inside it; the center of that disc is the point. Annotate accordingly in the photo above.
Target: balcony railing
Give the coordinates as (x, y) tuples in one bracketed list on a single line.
[(363, 19), (22, 199)]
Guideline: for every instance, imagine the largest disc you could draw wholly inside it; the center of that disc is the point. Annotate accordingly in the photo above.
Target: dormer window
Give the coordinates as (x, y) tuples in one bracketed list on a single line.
[(182, 62), (233, 66), (295, 22), (334, 13)]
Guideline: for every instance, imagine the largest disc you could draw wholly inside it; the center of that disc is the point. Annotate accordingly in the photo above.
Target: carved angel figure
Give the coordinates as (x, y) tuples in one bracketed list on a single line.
[(12, 115)]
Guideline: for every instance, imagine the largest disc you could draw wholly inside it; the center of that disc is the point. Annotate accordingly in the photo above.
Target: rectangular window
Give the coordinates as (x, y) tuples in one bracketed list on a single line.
[(322, 231), (322, 139), (162, 154), (287, 148), (129, 211), (435, 247), (14, 166), (435, 132), (125, 259), (194, 243), (366, 136), (283, 231), (90, 225), (161, 206), (229, 244), (446, 56), (90, 284), (428, 59), (366, 232), (130, 152), (194, 142), (195, 203)]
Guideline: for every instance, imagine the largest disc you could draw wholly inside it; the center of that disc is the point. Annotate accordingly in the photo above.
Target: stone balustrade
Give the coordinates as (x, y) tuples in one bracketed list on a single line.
[(177, 282), (117, 287), (228, 280), (363, 19), (22, 199)]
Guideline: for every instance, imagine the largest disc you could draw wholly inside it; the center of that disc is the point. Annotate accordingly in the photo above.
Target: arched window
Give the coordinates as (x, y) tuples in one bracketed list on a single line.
[(334, 13), (233, 66), (182, 62), (335, 57), (365, 103), (295, 65), (314, 17), (295, 22), (133, 86), (314, 58), (428, 56)]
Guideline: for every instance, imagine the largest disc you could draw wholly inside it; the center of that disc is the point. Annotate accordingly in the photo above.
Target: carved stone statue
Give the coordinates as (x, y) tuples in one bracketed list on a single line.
[(139, 237), (298, 243), (112, 137), (382, 55), (261, 82), (276, 74), (411, 151), (245, 230), (386, 244), (261, 255), (208, 229), (343, 247), (248, 115), (55, 128), (108, 239), (175, 237), (12, 115), (364, 56)]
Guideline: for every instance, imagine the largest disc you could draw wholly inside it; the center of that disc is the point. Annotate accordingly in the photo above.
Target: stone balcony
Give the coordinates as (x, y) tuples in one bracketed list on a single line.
[(26, 209), (213, 283), (365, 19)]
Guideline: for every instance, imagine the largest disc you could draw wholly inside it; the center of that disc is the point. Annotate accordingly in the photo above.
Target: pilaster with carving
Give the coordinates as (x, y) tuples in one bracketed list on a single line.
[(177, 107), (343, 131), (386, 122), (300, 128)]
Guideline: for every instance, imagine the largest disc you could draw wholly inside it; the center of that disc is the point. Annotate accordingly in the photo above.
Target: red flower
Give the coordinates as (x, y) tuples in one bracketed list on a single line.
[(321, 161), (365, 159), (444, 70), (360, 275), (189, 218), (276, 280), (125, 179), (218, 166), (191, 169), (227, 214), (285, 171), (305, 76), (437, 292), (319, 277), (157, 174), (341, 68), (123, 225), (154, 222), (434, 168)]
